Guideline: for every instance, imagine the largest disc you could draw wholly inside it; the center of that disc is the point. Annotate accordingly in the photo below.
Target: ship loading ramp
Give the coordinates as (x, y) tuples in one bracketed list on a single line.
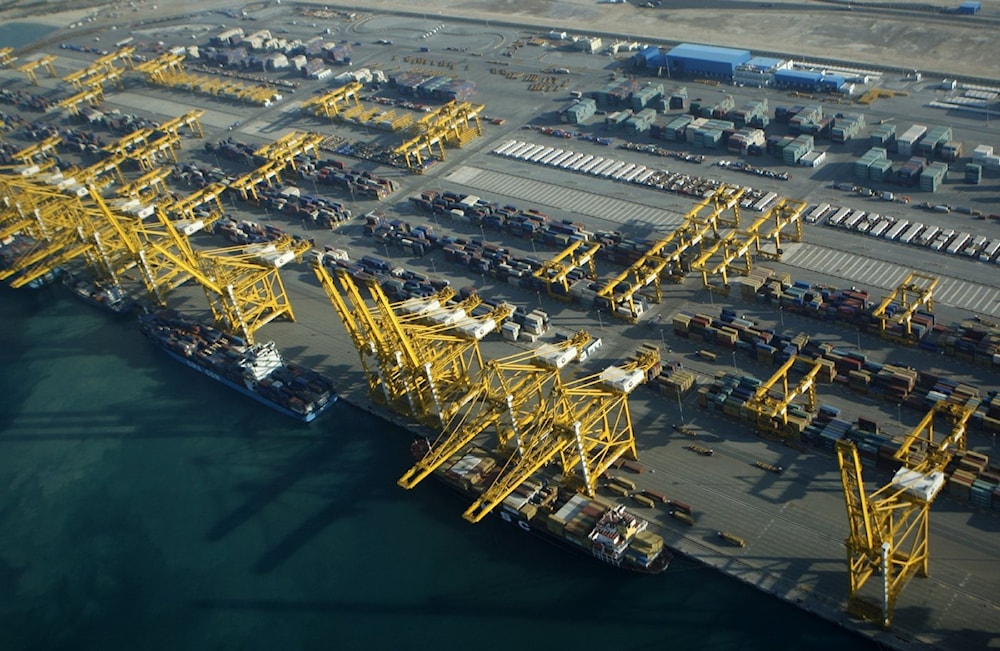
[(585, 425), (889, 529)]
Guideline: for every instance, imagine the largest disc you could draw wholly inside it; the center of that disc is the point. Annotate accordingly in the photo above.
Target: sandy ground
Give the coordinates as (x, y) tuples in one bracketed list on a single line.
[(799, 28)]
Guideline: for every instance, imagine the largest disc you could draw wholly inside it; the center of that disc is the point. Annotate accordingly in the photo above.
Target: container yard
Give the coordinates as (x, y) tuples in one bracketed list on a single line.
[(773, 337)]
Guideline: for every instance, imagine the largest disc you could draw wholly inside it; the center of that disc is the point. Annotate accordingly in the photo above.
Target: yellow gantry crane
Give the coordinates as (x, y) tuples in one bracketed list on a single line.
[(507, 398), (771, 409), (912, 294), (32, 154), (92, 96), (7, 56), (585, 425), (665, 256), (745, 243), (889, 529), (44, 61), (191, 120), (147, 187), (555, 271), (420, 371), (204, 206), (285, 149), (334, 102)]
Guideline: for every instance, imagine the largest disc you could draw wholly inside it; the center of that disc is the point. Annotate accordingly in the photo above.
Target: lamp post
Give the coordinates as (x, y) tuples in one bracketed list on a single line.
[(858, 332), (781, 316), (735, 368)]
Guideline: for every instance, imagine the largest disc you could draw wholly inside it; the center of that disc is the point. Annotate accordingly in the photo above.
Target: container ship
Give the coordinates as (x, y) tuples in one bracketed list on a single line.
[(257, 371), (591, 526)]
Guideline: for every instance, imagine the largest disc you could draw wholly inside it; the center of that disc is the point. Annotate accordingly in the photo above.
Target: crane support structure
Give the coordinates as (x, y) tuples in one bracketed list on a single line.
[(333, 103), (554, 272), (665, 256), (889, 529), (772, 409), (510, 392), (914, 293), (44, 61), (586, 426)]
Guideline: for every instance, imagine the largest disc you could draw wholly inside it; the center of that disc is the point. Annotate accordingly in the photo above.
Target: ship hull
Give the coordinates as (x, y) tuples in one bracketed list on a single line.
[(305, 418), (536, 529), (289, 389)]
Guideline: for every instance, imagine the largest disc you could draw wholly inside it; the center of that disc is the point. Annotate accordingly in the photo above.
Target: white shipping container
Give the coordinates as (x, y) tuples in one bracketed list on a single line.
[(589, 167), (628, 178), (990, 251), (911, 232), (642, 178), (552, 155), (896, 230), (531, 151), (766, 201), (880, 228), (617, 176), (542, 154), (852, 220), (504, 147), (561, 158), (839, 216)]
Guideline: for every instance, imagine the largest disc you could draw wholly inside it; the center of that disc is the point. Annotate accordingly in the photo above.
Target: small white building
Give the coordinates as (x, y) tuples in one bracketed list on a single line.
[(813, 159)]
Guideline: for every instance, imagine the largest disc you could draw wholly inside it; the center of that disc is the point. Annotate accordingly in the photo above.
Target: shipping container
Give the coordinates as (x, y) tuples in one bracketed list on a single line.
[(765, 202), (990, 251), (505, 147), (838, 217), (897, 229), (545, 151), (852, 220)]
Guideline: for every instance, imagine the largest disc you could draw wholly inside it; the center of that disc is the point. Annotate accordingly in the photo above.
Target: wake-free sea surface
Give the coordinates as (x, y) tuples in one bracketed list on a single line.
[(146, 507)]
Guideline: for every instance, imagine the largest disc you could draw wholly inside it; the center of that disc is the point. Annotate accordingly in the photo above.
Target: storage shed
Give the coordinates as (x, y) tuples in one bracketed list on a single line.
[(705, 60)]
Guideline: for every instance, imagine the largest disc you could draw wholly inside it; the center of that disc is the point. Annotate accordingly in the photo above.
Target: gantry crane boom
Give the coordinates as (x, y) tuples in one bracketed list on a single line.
[(586, 424), (889, 529), (510, 390), (771, 410), (912, 294)]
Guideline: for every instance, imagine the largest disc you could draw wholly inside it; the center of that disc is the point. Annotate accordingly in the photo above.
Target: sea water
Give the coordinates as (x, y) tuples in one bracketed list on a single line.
[(146, 507)]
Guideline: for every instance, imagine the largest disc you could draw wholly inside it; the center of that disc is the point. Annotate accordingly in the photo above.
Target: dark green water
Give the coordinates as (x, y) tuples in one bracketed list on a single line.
[(145, 507)]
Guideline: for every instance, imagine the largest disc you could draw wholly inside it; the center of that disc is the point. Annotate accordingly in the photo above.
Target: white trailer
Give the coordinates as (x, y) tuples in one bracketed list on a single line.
[(838, 216), (897, 229), (505, 147), (990, 251), (592, 165), (852, 220), (958, 243), (880, 228), (911, 232), (539, 155), (580, 163), (765, 202)]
